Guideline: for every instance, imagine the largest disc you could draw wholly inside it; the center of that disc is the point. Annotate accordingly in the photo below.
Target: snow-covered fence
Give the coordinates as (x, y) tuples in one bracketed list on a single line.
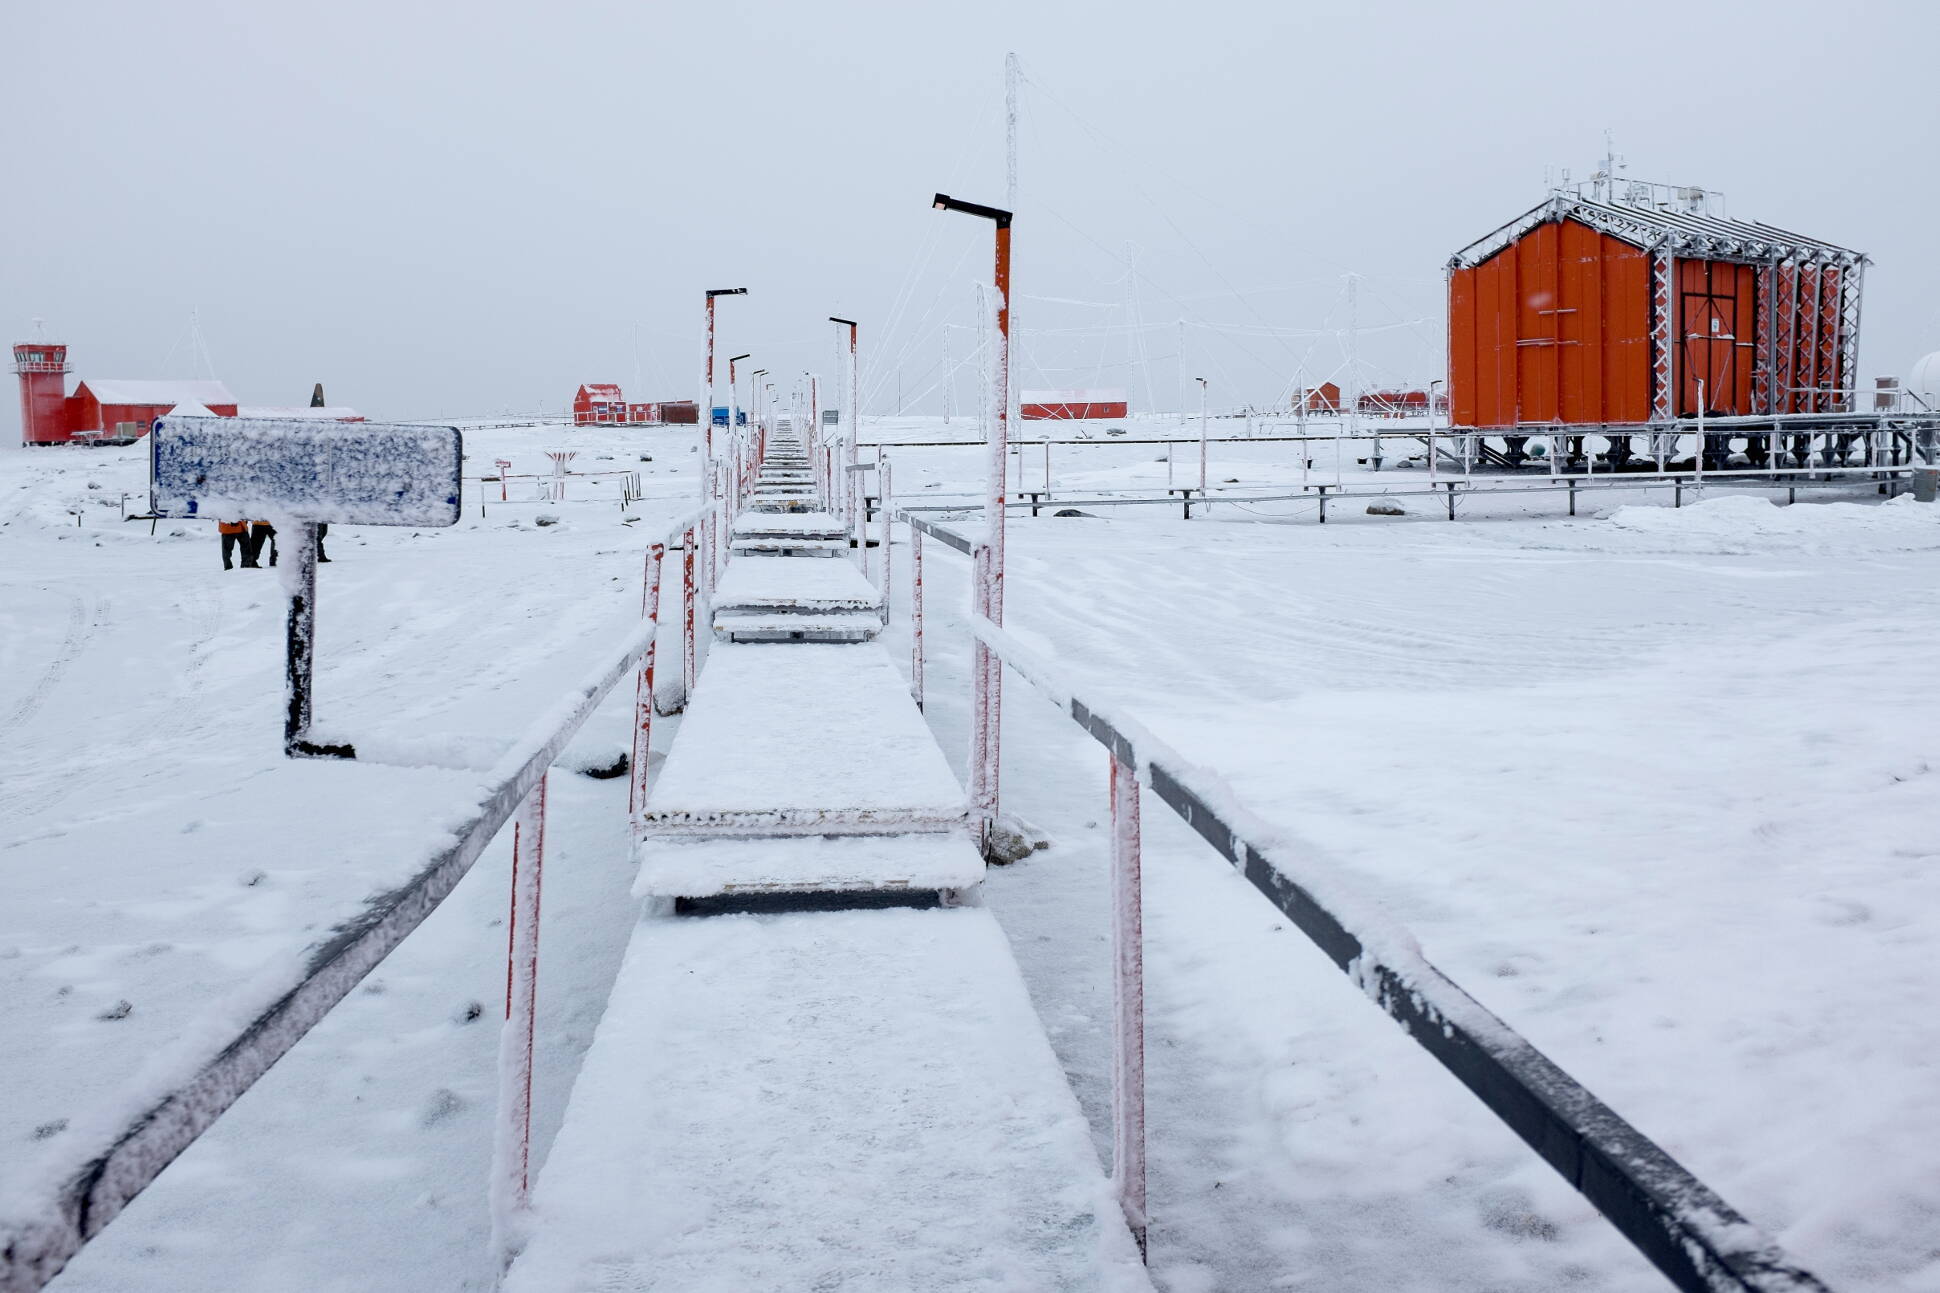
[(79, 1192), (1683, 1227)]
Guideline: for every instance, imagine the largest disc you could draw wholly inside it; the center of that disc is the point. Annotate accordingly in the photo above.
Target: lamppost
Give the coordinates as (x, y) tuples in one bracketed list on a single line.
[(855, 427), (1202, 438), (758, 411), (707, 410), (989, 596), (734, 436)]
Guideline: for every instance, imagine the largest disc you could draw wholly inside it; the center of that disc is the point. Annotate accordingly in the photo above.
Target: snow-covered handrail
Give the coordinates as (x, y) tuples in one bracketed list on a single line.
[(75, 1193), (1682, 1226)]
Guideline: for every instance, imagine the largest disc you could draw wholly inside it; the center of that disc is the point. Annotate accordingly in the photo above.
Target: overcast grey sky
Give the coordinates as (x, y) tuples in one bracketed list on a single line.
[(449, 209)]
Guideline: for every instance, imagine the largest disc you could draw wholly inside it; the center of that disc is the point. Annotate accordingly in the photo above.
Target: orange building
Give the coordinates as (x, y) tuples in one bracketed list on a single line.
[(1617, 303)]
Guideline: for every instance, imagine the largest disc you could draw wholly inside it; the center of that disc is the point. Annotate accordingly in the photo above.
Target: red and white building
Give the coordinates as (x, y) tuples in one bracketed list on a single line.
[(599, 403), (99, 409), (1075, 406)]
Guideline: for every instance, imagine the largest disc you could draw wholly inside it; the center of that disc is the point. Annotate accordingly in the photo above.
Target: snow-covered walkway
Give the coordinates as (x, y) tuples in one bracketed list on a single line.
[(856, 1099)]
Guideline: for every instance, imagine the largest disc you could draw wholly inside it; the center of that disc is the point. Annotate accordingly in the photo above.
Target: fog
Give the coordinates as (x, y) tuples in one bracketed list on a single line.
[(448, 210)]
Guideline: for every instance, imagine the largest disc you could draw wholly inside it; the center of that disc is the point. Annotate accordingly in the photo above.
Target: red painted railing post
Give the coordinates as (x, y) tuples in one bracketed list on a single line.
[(689, 663), (636, 800), (916, 613), (512, 1146), (986, 730), (1128, 1002)]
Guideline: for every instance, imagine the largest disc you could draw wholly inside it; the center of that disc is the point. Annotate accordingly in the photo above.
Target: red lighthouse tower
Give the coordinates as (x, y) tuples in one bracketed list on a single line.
[(43, 391)]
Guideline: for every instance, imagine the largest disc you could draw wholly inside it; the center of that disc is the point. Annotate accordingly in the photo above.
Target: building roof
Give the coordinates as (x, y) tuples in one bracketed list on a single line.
[(328, 413), (1684, 232), (601, 391), (190, 409), (166, 394)]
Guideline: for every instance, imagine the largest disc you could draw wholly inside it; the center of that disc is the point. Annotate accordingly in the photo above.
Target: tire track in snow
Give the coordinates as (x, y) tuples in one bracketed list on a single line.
[(79, 631)]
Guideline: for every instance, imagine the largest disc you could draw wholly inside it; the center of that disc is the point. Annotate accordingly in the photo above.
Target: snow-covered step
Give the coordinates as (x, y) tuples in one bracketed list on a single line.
[(855, 1100), (800, 525), (783, 505), (797, 626), (795, 586), (784, 546), (708, 868), (802, 740)]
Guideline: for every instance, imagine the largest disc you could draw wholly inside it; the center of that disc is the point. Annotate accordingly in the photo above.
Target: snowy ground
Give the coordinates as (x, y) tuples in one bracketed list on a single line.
[(1652, 787)]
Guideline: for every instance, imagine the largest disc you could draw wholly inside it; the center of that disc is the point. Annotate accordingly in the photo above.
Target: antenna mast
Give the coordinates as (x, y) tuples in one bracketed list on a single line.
[(1011, 75)]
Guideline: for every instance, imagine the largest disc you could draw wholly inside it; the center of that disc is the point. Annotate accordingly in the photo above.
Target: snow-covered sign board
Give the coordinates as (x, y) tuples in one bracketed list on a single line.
[(302, 470)]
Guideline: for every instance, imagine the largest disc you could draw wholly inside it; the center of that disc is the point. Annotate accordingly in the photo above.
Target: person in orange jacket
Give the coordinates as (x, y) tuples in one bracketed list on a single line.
[(233, 533)]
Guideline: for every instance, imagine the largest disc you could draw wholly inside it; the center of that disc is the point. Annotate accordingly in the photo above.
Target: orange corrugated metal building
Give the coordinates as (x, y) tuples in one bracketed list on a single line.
[(1610, 307)]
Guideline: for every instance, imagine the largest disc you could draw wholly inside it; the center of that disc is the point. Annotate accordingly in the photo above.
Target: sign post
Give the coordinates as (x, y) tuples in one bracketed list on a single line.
[(300, 474)]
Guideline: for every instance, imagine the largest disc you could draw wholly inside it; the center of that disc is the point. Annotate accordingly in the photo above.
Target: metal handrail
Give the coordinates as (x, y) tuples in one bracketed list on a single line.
[(85, 1189), (1677, 1222)]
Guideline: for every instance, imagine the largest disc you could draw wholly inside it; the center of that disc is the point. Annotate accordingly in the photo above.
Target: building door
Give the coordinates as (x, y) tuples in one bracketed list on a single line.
[(1715, 314)]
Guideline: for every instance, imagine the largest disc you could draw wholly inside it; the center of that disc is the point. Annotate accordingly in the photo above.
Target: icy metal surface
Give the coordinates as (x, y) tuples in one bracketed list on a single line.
[(853, 1100)]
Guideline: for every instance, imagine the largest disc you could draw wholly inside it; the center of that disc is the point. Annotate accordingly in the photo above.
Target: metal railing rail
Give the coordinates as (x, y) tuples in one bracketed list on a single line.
[(84, 1190), (1677, 1222)]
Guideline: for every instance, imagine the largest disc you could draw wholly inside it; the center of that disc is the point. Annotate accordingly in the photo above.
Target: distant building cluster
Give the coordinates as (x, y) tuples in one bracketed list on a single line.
[(117, 411), (604, 404)]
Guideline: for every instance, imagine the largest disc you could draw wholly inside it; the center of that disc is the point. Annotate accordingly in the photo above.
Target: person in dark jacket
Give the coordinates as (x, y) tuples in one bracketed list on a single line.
[(261, 532), (234, 533)]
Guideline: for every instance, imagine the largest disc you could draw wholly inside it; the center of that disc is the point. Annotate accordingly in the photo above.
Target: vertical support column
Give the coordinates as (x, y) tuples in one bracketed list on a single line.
[(299, 665), (689, 662), (884, 511), (1663, 395), (1850, 283), (512, 1144), (916, 614), (1128, 1001), (636, 800), (988, 699), (707, 400), (1764, 347)]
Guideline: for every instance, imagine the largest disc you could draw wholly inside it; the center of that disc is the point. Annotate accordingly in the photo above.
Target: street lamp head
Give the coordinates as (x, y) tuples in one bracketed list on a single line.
[(759, 372), (1200, 380), (944, 202), (735, 359), (847, 323), (727, 291)]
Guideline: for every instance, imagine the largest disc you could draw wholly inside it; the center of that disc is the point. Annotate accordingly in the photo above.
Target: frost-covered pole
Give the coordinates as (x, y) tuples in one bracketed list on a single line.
[(1128, 1002), (689, 663), (1202, 444), (636, 802), (854, 420), (883, 505), (1012, 74), (512, 1145), (707, 408), (302, 584), (1182, 372), (986, 725), (916, 614), (734, 430)]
